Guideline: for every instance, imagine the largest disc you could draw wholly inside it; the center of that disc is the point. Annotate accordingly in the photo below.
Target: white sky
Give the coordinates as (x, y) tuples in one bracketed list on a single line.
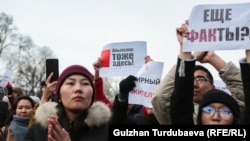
[(77, 30)]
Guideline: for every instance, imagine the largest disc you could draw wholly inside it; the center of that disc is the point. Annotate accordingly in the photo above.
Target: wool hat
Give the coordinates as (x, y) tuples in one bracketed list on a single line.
[(220, 96), (71, 70)]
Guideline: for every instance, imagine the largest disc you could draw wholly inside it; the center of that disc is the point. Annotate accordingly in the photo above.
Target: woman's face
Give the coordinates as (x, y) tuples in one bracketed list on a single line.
[(24, 108), (76, 93), (216, 114)]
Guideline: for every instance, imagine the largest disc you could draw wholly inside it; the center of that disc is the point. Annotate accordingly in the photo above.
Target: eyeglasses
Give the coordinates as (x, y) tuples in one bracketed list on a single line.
[(224, 112), (200, 79)]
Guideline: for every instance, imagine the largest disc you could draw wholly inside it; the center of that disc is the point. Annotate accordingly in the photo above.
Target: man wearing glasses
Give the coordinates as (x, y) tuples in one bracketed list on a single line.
[(202, 82)]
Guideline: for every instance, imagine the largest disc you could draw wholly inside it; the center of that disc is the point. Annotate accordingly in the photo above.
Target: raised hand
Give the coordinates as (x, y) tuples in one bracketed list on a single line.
[(97, 65), (55, 131), (204, 57), (48, 89), (125, 86), (182, 32), (147, 59)]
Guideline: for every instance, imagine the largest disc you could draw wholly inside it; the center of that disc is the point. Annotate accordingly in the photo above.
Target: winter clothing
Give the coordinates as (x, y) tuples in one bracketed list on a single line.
[(245, 75), (100, 96), (3, 112), (94, 127), (91, 124), (2, 92), (182, 98), (220, 96), (125, 86), (230, 74), (121, 115), (74, 69), (181, 105), (17, 126), (17, 129)]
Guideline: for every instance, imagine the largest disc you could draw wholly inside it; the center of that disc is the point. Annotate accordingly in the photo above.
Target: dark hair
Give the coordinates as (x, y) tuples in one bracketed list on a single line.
[(70, 70), (209, 75), (14, 106), (18, 90)]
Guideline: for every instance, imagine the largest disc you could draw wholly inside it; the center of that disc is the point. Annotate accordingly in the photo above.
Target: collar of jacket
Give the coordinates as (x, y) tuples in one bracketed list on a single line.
[(98, 114)]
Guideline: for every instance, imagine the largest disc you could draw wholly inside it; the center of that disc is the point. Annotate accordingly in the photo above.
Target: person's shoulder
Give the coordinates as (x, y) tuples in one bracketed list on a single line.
[(44, 111), (3, 104)]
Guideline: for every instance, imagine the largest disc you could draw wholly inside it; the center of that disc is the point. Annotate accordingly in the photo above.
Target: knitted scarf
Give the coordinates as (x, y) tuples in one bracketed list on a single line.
[(19, 126)]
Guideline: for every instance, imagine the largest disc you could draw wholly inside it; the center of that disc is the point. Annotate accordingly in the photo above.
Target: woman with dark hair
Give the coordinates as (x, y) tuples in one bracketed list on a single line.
[(18, 120), (75, 115)]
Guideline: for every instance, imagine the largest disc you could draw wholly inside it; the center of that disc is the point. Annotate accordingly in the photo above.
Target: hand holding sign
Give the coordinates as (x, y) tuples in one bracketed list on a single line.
[(218, 27), (125, 86)]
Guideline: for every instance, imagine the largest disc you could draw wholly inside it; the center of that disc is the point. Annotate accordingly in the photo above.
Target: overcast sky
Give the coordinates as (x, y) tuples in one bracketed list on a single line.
[(77, 30)]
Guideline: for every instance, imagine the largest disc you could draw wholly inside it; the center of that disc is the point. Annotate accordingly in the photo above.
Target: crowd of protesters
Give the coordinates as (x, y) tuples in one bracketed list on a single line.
[(75, 106)]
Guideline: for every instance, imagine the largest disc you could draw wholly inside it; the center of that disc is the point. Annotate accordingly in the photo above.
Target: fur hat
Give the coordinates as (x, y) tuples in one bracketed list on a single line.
[(74, 69), (219, 96)]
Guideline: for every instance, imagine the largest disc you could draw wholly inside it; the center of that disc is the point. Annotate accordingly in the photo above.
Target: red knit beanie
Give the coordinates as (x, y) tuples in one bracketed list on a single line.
[(71, 70)]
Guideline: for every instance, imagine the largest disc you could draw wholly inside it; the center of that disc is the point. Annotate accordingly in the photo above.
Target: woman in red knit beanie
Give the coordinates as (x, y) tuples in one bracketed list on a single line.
[(75, 115)]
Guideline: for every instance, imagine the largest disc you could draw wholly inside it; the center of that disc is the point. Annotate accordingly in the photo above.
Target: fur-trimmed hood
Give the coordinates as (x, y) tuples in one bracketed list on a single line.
[(98, 114)]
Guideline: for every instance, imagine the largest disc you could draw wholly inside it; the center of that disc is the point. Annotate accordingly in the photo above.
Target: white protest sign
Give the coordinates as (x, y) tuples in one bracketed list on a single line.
[(122, 58), (7, 77), (218, 27), (149, 78)]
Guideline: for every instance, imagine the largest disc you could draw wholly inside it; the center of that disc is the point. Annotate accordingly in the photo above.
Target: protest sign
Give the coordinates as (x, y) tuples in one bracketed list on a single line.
[(149, 78), (122, 58), (218, 27), (7, 77)]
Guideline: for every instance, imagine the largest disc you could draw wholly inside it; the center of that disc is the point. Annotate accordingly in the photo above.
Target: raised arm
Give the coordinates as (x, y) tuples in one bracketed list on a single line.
[(245, 75), (181, 105), (228, 72), (98, 81)]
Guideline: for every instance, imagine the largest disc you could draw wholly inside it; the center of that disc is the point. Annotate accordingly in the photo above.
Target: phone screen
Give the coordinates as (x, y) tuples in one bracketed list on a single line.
[(52, 65)]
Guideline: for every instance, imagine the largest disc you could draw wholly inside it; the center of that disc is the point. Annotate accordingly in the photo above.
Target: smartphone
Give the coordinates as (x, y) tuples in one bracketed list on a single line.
[(52, 65)]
